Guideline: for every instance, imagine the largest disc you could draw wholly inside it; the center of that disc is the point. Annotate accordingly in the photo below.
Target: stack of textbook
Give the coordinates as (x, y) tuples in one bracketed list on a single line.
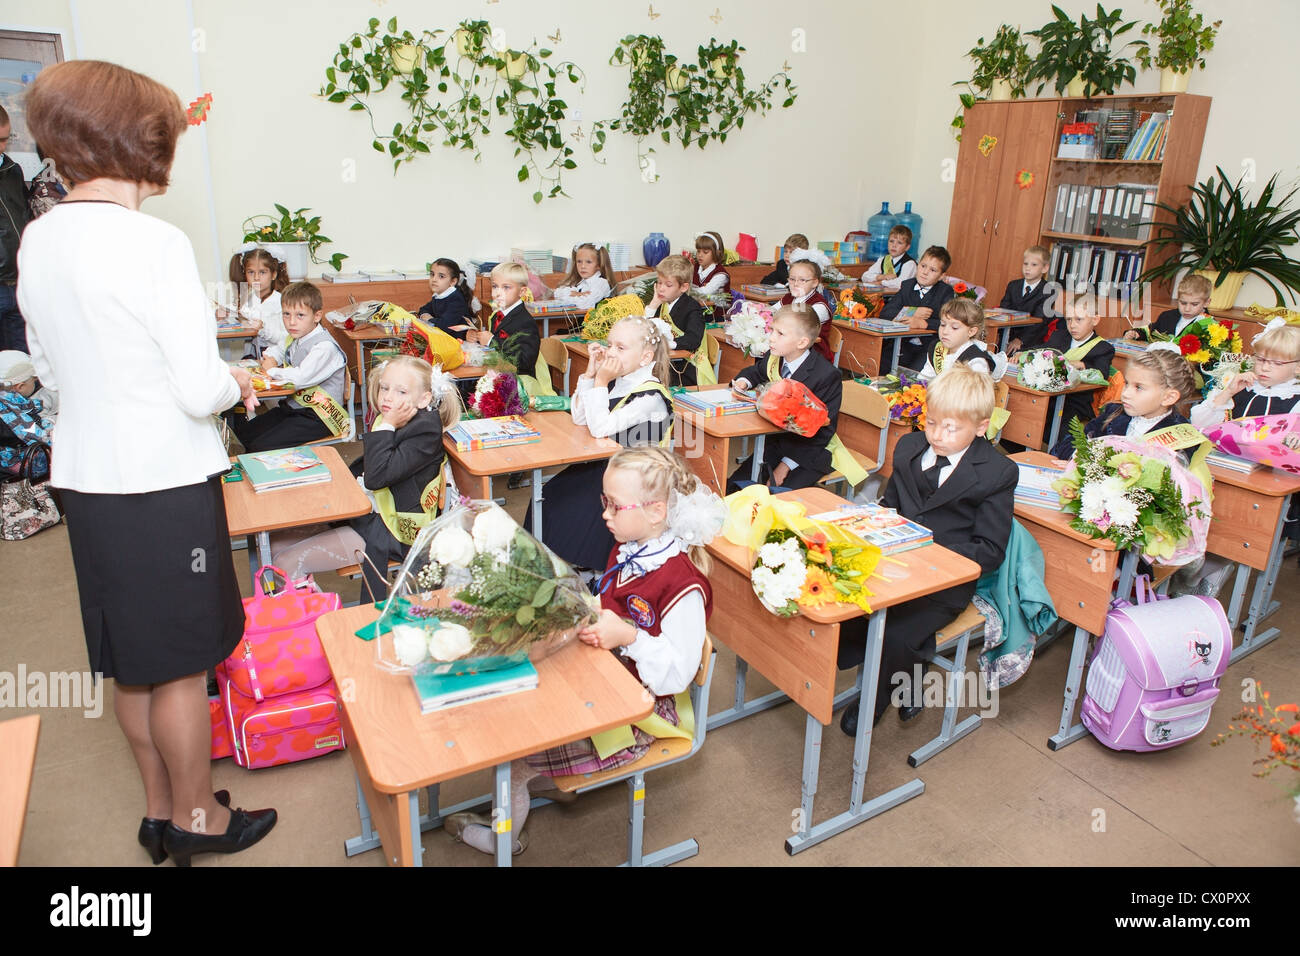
[(715, 402), (479, 433), (441, 691), (881, 526), (1035, 486), (284, 468)]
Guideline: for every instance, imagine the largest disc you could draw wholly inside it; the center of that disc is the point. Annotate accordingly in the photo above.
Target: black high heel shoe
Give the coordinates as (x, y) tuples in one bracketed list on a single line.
[(246, 828), (151, 830)]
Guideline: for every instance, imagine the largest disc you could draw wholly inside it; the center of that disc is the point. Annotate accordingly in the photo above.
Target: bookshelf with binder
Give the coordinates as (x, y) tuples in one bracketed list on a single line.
[(1116, 158)]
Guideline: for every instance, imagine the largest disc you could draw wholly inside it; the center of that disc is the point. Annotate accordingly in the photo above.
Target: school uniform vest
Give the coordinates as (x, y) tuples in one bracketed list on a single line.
[(897, 264), (1248, 403), (941, 358), (647, 432), (698, 280), (821, 344), (297, 352)]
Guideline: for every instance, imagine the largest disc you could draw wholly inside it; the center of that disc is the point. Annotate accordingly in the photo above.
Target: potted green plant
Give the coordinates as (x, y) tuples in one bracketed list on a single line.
[(1222, 235), (1001, 65), (1182, 38), (1081, 59), (292, 238)]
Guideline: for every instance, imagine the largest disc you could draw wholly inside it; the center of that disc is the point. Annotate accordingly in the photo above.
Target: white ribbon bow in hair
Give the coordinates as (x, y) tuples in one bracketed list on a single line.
[(665, 330), (1165, 347), (250, 246), (809, 255)]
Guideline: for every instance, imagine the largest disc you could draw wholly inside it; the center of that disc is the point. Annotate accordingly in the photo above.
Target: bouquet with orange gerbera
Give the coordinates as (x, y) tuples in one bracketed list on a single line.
[(856, 304), (908, 403), (1267, 723), (792, 406)]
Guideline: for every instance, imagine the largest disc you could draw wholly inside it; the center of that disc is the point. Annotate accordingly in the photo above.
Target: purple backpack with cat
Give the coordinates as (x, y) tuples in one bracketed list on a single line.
[(1155, 674)]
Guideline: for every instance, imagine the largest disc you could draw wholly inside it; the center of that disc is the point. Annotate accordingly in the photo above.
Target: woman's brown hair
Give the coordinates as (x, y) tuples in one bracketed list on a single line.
[(100, 120)]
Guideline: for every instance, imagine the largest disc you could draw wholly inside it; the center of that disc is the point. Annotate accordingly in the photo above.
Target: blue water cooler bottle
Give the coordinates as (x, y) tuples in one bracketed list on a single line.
[(879, 226), (912, 221)]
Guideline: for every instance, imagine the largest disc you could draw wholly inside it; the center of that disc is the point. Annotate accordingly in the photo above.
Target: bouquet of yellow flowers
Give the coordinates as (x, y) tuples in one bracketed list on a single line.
[(908, 403)]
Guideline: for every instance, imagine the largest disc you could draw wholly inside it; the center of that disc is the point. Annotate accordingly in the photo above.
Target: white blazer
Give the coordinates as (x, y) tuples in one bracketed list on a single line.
[(118, 322)]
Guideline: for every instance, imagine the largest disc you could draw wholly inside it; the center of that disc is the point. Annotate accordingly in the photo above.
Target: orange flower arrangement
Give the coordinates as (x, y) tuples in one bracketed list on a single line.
[(792, 406), (818, 589), (856, 304), (908, 404), (1264, 722)]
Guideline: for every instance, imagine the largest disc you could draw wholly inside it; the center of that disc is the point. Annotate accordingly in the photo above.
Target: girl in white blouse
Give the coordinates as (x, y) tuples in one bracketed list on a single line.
[(590, 278), (263, 278)]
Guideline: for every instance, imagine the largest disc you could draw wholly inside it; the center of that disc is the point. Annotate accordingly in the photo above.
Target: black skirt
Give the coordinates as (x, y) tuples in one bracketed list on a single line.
[(572, 523), (159, 598)]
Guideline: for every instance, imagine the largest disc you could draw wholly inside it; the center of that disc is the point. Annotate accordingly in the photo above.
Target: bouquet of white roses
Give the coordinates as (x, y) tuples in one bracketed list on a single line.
[(1045, 370), (748, 325), (779, 574), (477, 593)]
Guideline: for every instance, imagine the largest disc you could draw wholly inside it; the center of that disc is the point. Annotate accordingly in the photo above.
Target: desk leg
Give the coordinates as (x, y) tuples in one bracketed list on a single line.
[(1259, 602), (741, 708), (502, 822), (1058, 410), (1238, 595), (1004, 337), (1068, 731), (537, 503), (264, 548), (898, 351), (369, 839), (413, 827), (759, 446), (361, 381), (858, 811), (254, 550)]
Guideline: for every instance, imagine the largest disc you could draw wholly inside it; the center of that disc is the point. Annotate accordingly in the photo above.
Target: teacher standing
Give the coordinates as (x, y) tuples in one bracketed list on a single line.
[(119, 324)]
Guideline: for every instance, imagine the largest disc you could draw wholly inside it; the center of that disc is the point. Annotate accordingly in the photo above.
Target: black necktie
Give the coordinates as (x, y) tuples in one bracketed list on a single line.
[(921, 292), (1026, 292), (932, 473), (785, 370)]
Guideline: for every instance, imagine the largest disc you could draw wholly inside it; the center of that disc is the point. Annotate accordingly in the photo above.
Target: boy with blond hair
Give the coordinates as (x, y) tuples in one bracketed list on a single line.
[(673, 303), (1193, 299), (950, 479)]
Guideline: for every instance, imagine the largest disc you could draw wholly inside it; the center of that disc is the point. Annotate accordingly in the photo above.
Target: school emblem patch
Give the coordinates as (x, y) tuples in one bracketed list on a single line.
[(639, 609)]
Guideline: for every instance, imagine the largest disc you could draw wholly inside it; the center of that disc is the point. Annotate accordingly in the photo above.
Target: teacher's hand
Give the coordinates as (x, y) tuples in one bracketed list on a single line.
[(246, 391)]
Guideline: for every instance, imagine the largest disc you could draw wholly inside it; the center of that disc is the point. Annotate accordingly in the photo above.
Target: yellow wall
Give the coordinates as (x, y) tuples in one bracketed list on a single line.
[(819, 167)]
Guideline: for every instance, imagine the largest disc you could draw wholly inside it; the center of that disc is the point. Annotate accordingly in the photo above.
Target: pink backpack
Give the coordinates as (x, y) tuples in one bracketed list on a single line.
[(1155, 674), (280, 701)]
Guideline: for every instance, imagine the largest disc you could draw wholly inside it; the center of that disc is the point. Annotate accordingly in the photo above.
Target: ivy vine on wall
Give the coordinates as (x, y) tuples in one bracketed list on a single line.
[(455, 87), (694, 102)]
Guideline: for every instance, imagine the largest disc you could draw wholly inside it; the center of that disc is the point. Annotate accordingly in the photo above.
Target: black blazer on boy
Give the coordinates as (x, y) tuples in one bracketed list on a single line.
[(688, 315), (907, 296), (970, 513), (1166, 323), (823, 380), (1035, 303), (515, 336)]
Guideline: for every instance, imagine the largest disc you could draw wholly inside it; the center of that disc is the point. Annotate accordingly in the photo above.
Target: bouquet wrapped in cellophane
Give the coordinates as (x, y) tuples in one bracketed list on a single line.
[(478, 593), (748, 326), (793, 406), (798, 562)]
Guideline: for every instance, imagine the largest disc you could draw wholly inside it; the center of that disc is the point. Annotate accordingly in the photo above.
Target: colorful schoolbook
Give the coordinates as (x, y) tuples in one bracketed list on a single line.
[(759, 289), (881, 526), (1128, 347), (1001, 313), (283, 468), (479, 433), (879, 325), (1231, 462), (555, 307), (715, 402), (1034, 487), (441, 691)]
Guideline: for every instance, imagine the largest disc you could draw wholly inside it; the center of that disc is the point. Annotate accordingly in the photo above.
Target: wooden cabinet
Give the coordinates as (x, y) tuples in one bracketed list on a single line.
[(994, 217)]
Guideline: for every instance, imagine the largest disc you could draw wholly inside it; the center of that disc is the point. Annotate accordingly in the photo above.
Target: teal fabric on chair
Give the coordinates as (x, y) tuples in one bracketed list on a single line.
[(1020, 595)]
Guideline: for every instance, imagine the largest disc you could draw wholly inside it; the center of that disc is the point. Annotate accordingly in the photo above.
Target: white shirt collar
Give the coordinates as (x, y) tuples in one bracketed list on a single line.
[(706, 272), (1281, 390), (654, 553), (1029, 286), (794, 363), (929, 458), (1075, 343), (1140, 426), (320, 327), (625, 383), (1184, 321), (446, 292)]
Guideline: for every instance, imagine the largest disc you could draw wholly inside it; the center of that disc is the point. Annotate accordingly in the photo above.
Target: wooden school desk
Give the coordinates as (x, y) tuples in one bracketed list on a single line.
[(798, 655), (579, 360), (240, 331), (994, 326), (249, 513), (733, 361), (1079, 573), (1029, 410), (862, 348), (563, 443), (1246, 527), (17, 761), (707, 443), (396, 750)]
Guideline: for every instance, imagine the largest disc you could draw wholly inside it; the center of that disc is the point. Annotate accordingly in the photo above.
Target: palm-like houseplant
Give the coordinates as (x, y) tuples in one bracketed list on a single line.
[(1085, 50), (1220, 231)]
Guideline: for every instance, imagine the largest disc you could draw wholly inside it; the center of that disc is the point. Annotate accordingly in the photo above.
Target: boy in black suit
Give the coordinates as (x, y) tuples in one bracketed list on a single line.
[(1193, 299), (513, 331), (1082, 348), (1032, 294), (781, 274), (954, 482), (927, 293), (672, 303), (790, 460)]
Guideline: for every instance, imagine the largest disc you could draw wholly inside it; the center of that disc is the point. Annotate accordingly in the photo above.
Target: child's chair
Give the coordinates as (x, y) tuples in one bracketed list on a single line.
[(862, 409), (714, 353), (953, 640), (663, 752), (1001, 398), (835, 342), (556, 355)]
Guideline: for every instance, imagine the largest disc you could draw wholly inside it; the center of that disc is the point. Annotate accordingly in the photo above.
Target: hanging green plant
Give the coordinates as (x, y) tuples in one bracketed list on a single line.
[(1003, 60), (454, 86), (695, 102)]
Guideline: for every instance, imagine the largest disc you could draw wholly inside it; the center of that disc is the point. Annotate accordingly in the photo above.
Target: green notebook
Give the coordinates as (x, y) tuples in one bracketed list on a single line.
[(283, 468), (440, 691)]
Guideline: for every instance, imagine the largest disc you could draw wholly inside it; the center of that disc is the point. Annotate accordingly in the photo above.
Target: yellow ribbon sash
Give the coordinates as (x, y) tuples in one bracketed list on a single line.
[(334, 415), (886, 265), (1077, 353), (1178, 437), (643, 389)]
